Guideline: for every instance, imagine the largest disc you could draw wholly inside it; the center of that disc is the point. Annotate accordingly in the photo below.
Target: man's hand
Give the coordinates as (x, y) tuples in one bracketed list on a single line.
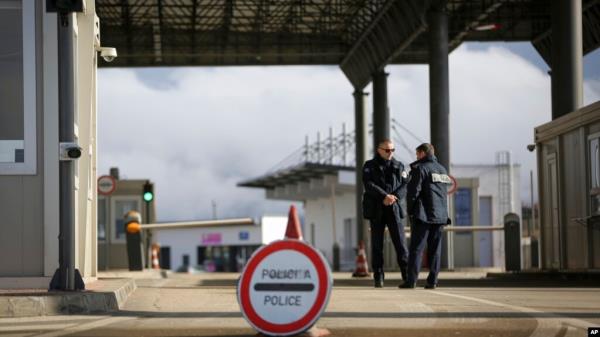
[(389, 199)]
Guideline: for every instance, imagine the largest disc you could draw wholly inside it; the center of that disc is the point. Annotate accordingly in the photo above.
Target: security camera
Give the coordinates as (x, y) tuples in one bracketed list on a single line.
[(70, 151), (531, 147), (108, 53)]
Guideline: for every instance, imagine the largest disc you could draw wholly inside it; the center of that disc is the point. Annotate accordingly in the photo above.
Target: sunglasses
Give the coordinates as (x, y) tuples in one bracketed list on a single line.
[(387, 150)]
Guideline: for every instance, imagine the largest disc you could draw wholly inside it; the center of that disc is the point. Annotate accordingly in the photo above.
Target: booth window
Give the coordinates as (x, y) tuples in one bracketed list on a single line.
[(462, 207), (102, 219), (17, 88), (121, 205), (595, 173)]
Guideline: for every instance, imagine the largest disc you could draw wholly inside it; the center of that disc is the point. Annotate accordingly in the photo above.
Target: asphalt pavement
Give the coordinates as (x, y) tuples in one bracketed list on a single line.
[(465, 304)]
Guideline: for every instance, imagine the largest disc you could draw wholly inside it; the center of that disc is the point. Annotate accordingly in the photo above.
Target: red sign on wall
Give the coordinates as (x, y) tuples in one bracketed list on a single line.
[(212, 238)]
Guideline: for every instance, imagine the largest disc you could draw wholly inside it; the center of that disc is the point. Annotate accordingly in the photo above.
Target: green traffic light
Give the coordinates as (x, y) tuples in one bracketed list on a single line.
[(148, 196)]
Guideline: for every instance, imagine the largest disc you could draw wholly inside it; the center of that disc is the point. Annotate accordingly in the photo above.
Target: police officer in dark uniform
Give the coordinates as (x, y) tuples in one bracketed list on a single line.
[(427, 206), (384, 180)]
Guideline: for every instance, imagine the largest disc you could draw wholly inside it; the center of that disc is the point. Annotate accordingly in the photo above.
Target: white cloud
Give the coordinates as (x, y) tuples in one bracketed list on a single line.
[(497, 98), (196, 132), (199, 138)]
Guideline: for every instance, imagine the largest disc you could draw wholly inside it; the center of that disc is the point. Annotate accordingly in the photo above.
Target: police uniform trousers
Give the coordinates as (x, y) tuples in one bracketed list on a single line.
[(396, 231), (422, 233)]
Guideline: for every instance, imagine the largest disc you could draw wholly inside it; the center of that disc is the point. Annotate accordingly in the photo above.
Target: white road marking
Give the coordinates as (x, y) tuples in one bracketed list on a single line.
[(27, 334), (29, 326), (553, 322), (86, 326)]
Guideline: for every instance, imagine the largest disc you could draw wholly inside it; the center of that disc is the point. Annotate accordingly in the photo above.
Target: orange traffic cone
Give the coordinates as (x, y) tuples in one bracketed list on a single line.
[(362, 268), (293, 230), (155, 250)]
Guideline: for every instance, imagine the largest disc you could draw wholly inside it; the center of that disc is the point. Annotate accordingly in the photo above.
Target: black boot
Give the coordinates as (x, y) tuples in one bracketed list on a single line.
[(378, 278), (407, 285), (403, 272)]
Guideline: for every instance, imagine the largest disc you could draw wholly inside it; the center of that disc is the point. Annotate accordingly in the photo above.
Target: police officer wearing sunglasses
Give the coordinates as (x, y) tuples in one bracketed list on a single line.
[(384, 180)]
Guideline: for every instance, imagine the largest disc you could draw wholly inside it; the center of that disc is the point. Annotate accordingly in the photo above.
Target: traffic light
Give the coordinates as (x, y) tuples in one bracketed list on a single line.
[(148, 192)]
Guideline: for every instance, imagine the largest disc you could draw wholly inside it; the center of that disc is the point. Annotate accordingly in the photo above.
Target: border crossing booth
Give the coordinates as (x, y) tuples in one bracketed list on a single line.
[(30, 143), (568, 156), (126, 196)]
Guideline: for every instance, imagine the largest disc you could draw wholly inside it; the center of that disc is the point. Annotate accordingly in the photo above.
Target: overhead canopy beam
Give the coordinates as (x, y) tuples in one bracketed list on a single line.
[(359, 34), (475, 18), (397, 24), (591, 32), (157, 28), (193, 16), (125, 18)]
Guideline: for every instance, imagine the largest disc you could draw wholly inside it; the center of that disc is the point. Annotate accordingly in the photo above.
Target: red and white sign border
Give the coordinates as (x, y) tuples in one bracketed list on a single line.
[(453, 186), (324, 289), (114, 182)]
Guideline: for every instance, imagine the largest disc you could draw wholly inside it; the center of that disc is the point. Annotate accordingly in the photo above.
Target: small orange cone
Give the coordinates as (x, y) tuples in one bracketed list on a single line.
[(362, 268), (155, 249), (293, 230)]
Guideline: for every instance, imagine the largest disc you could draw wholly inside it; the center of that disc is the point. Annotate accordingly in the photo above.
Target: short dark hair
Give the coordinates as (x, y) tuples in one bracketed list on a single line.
[(427, 148), (384, 141)]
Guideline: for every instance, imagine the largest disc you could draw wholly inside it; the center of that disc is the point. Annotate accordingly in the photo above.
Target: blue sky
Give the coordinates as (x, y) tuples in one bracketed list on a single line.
[(197, 132)]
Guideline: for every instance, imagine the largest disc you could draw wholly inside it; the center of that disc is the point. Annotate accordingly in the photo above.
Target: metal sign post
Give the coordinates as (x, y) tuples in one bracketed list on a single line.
[(107, 184)]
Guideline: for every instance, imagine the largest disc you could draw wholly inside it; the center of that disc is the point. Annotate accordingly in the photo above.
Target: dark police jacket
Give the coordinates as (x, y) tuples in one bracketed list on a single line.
[(427, 198), (376, 189)]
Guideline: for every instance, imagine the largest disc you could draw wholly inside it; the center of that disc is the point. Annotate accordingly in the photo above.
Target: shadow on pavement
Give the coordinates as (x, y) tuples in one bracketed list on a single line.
[(188, 288), (447, 283), (340, 314), (168, 332), (524, 331), (177, 314)]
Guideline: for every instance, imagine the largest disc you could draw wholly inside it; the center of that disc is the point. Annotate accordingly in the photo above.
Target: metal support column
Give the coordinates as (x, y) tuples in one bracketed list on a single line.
[(360, 123), (439, 101), (567, 57), (381, 112), (439, 95)]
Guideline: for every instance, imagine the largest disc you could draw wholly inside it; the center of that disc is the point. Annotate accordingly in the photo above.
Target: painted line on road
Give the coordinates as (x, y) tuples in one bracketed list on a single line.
[(34, 326), (86, 326), (544, 324)]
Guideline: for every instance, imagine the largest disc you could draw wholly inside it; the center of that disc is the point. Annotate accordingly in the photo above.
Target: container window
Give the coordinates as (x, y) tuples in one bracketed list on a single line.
[(595, 175), (17, 87)]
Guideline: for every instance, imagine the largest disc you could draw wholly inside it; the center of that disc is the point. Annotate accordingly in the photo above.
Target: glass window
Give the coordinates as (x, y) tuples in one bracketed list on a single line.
[(17, 87), (102, 219), (12, 133), (595, 162), (121, 208), (200, 255), (595, 174), (462, 207)]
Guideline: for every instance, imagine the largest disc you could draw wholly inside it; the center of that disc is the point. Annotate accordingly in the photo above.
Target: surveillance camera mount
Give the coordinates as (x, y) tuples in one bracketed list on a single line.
[(69, 151), (107, 53)]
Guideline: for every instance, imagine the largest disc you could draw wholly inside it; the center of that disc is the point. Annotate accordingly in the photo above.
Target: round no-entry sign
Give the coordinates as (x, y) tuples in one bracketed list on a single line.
[(106, 185), (284, 288), (453, 186)]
